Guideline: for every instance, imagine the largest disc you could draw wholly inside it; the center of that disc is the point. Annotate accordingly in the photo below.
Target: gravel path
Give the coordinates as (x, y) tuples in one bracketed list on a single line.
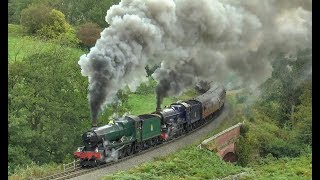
[(158, 152)]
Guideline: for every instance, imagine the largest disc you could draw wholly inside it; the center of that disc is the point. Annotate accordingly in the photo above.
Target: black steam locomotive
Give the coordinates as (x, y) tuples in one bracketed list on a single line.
[(131, 134)]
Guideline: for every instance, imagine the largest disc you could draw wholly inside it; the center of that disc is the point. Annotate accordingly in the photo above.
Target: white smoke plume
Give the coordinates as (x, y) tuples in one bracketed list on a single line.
[(203, 39)]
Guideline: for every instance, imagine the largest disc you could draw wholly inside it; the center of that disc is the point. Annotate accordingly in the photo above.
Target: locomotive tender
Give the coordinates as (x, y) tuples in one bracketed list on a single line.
[(132, 134)]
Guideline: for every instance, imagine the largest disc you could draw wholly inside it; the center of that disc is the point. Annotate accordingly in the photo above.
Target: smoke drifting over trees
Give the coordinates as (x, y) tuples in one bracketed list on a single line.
[(205, 39)]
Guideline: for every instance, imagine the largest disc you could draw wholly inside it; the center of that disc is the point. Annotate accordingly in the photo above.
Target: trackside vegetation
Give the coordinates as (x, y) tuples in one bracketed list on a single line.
[(188, 163), (48, 103)]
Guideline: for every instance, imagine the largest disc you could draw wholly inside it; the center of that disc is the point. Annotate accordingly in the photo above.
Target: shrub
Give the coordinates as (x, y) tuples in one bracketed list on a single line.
[(16, 30), (245, 151), (68, 38), (35, 171), (17, 156), (281, 148), (55, 25), (34, 17), (88, 34), (48, 23), (244, 128)]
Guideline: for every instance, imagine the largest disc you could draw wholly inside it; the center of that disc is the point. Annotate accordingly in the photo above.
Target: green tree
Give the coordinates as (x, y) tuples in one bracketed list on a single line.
[(14, 10), (54, 25), (81, 11), (46, 22), (282, 117), (280, 93), (77, 11), (303, 116), (47, 107), (34, 17)]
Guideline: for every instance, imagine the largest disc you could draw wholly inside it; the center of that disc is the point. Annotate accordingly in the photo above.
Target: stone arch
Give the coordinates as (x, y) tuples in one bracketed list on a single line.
[(230, 157), (226, 150)]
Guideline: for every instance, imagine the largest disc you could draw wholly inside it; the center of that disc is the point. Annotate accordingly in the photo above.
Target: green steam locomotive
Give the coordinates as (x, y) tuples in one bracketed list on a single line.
[(132, 134)]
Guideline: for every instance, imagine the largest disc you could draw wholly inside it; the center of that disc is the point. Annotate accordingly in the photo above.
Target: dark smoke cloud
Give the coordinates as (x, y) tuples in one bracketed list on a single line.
[(173, 81), (204, 39)]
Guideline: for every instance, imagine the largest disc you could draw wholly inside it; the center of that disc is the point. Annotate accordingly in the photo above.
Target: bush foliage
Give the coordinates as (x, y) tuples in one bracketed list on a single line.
[(35, 17), (88, 34), (45, 22), (188, 163), (280, 123)]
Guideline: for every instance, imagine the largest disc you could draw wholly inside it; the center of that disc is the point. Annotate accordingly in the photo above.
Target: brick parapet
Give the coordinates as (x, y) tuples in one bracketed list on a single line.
[(223, 142)]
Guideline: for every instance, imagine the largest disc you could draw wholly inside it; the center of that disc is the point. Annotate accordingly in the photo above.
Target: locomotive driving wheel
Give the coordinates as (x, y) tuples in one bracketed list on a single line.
[(138, 147), (129, 150), (95, 163), (121, 154)]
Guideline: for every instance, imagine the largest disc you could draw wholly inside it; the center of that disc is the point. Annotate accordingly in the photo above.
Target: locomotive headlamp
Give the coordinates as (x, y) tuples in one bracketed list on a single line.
[(79, 149), (96, 150)]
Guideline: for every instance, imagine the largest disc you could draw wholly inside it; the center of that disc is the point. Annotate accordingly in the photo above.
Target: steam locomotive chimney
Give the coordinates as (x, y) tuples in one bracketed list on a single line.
[(94, 123), (158, 108)]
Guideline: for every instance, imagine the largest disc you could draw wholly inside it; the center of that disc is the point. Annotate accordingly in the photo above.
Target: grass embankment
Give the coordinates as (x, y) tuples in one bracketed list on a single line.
[(283, 168), (188, 163), (36, 171), (20, 45)]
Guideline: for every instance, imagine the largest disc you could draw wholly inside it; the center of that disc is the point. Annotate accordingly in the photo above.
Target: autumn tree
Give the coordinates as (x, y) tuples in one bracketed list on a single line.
[(88, 34)]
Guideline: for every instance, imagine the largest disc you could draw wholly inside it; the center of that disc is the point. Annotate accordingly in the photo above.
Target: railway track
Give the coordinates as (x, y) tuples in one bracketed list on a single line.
[(80, 171)]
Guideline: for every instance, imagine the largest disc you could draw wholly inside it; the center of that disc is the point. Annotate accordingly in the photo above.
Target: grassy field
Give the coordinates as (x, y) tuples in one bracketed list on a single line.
[(20, 46), (188, 163), (141, 104)]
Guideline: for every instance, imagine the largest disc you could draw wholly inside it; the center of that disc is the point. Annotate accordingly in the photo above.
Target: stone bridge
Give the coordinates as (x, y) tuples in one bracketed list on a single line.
[(223, 143)]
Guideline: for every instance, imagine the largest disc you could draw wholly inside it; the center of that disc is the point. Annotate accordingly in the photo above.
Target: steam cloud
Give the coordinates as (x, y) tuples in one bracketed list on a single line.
[(203, 39)]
